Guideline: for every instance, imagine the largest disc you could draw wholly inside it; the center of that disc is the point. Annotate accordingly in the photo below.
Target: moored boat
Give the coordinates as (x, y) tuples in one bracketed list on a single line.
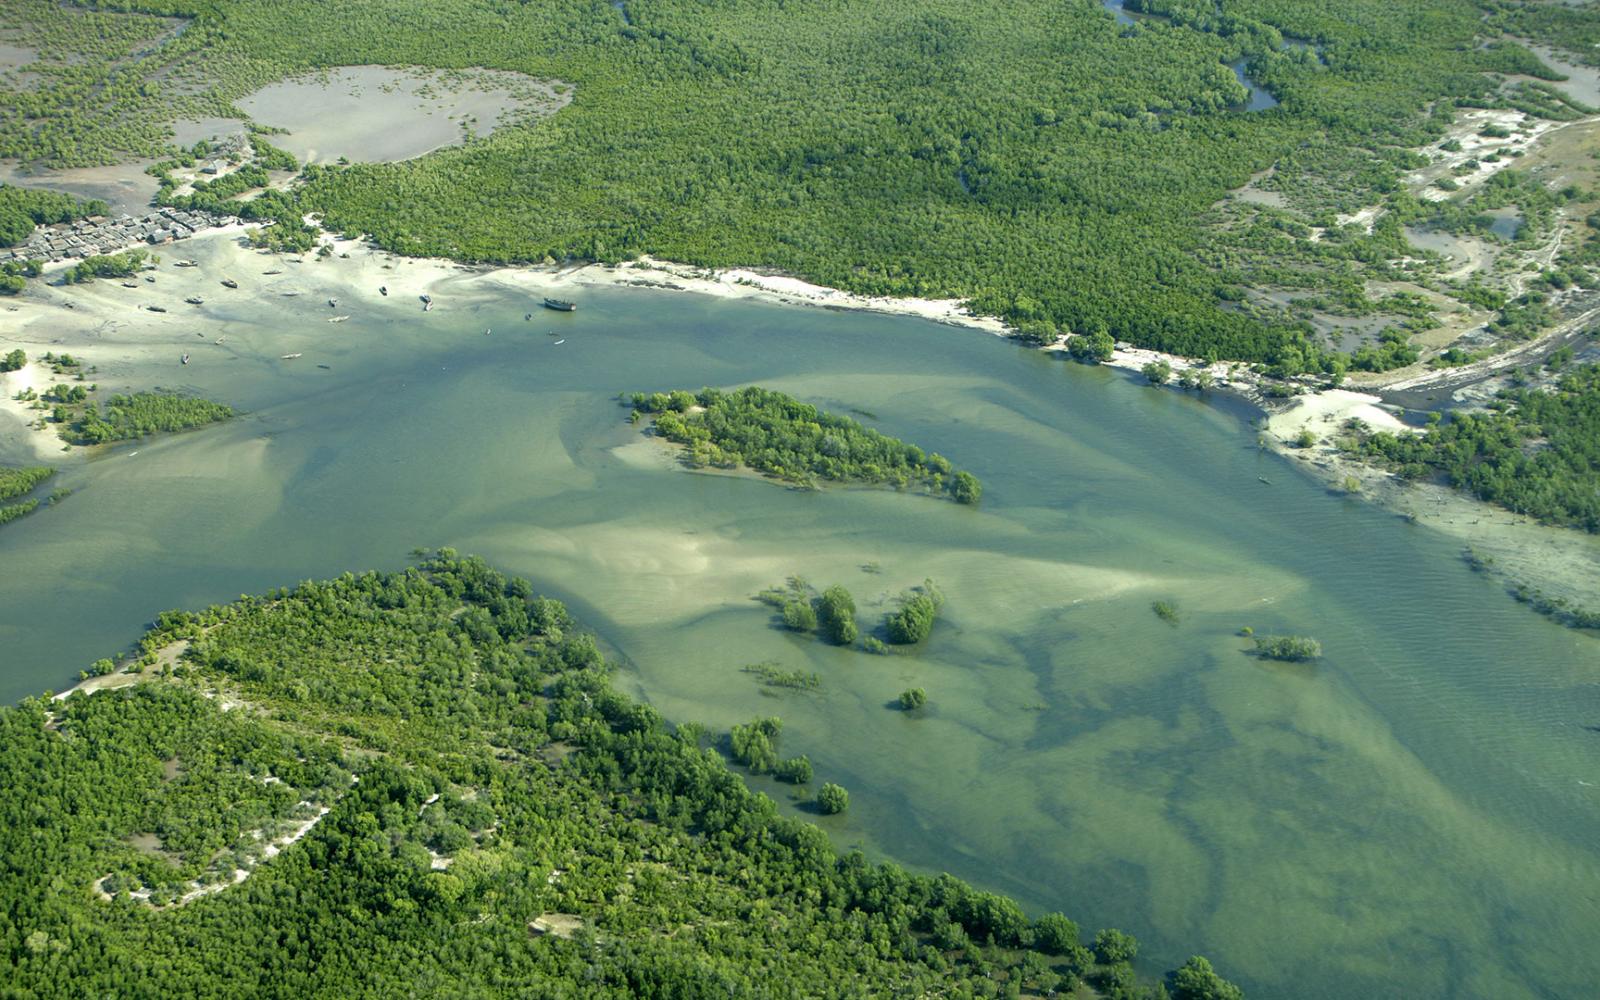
[(290, 357), (229, 283), (560, 305), (195, 300)]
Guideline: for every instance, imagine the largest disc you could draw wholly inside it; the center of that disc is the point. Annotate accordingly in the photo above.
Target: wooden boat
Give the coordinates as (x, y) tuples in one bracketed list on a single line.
[(427, 300), (290, 357), (333, 303), (195, 300), (130, 284), (186, 263), (560, 305), (327, 367), (273, 271), (427, 307), (558, 343), (383, 290), (229, 283), (486, 331), (184, 359), (157, 309), (337, 319)]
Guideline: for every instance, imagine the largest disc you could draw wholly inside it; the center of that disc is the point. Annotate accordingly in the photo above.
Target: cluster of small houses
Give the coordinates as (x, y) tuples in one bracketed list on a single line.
[(100, 234)]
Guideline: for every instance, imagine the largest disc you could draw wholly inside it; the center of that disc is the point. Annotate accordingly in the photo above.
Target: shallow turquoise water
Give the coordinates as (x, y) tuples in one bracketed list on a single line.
[(1414, 816)]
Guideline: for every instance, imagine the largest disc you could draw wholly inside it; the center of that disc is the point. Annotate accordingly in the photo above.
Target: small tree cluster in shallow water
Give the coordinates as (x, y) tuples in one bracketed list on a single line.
[(782, 437)]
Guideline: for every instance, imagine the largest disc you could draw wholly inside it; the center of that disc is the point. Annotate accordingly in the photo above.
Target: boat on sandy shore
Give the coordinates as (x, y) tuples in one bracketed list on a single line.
[(290, 357), (560, 305), (229, 283), (195, 300)]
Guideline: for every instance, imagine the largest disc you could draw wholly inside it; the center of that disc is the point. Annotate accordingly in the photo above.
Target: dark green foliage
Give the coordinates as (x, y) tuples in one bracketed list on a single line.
[(1537, 452), (1055, 934), (912, 699), (1166, 611), (965, 488), (21, 209), (1158, 372), (799, 615), (1292, 648), (1092, 348), (794, 441), (1196, 980), (117, 265), (481, 726), (13, 360), (1113, 947), (918, 610), (832, 799), (755, 744), (14, 482), (836, 616), (10, 512), (795, 770), (124, 418)]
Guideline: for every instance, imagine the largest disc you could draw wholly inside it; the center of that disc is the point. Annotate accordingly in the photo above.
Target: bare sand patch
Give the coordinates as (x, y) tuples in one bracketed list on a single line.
[(379, 114)]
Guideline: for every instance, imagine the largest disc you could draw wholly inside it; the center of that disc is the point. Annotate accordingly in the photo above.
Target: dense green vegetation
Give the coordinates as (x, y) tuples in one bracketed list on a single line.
[(832, 799), (1534, 452), (914, 620), (499, 822), (1290, 648), (13, 360), (912, 699), (1049, 166), (117, 265), (14, 482), (125, 417), (782, 437), (21, 209)]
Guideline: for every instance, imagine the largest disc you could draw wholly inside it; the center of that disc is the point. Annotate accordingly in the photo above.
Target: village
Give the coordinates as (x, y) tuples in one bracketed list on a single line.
[(101, 234)]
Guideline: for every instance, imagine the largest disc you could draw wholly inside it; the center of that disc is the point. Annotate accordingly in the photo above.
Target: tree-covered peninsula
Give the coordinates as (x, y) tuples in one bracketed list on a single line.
[(422, 783), (782, 437)]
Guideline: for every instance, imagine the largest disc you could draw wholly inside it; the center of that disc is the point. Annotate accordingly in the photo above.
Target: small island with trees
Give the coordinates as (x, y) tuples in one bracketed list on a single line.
[(784, 438)]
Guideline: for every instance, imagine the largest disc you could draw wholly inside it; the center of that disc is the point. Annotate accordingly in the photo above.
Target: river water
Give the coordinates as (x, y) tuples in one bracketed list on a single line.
[(1414, 816)]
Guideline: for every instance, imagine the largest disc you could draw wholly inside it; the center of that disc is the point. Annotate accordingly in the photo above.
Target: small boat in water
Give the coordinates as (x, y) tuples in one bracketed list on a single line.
[(333, 303), (338, 319), (427, 300), (184, 359), (195, 300), (326, 367), (560, 305), (558, 343), (383, 289), (229, 283), (486, 331), (290, 357), (219, 341)]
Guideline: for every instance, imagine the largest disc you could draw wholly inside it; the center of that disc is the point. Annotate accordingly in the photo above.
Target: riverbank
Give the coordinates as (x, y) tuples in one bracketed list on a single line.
[(114, 328)]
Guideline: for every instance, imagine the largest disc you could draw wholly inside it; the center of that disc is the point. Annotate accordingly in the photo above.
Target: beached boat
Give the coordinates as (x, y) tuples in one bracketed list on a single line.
[(560, 305), (427, 300), (333, 303), (130, 284), (383, 289), (187, 263), (273, 271), (559, 342), (157, 309), (195, 300), (184, 359), (289, 357), (229, 283), (427, 307)]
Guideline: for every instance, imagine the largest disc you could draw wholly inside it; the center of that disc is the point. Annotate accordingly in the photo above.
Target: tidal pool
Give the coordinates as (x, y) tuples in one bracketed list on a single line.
[(1414, 816)]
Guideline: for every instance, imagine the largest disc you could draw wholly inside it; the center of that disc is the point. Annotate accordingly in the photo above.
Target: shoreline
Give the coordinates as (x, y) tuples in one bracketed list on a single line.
[(1561, 561)]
